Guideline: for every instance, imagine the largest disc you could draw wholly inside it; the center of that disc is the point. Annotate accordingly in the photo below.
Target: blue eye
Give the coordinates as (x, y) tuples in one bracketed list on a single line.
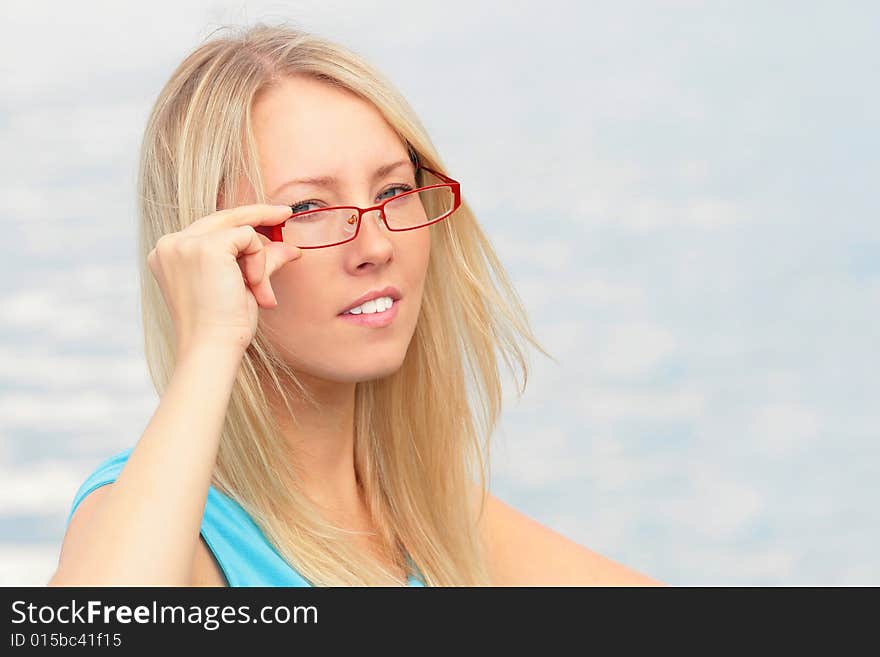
[(302, 206), (295, 207), (403, 188)]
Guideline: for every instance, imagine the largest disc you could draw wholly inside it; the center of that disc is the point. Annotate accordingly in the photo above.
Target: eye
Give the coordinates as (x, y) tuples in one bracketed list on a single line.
[(302, 206), (298, 207), (402, 187)]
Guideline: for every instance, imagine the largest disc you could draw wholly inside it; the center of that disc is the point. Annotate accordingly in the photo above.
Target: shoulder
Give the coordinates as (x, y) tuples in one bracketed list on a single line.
[(87, 501), (523, 552), (96, 486), (89, 498)]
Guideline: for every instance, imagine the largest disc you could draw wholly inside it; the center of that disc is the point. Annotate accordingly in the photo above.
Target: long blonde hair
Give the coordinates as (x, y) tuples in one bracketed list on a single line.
[(422, 434)]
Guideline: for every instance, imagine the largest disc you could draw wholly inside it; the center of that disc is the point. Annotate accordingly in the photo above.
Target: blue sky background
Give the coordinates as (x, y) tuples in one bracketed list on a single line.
[(684, 194)]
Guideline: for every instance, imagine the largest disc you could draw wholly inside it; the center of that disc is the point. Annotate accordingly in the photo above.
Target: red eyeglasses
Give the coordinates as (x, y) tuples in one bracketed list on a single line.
[(414, 208)]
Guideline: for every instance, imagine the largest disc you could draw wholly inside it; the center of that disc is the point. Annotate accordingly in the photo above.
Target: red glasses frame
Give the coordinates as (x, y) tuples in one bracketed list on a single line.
[(274, 232)]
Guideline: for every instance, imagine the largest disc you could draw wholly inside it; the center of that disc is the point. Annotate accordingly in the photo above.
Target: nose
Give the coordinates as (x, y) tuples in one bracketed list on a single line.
[(373, 237)]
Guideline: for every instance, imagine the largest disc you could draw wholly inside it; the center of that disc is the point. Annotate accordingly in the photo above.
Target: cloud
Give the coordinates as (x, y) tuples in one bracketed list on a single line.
[(32, 368), (610, 404), (538, 459), (84, 412), (42, 488), (23, 564), (632, 349), (783, 428), (90, 299), (654, 214)]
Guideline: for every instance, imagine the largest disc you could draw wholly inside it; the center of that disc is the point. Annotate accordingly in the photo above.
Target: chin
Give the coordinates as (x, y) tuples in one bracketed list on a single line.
[(368, 370), (376, 371)]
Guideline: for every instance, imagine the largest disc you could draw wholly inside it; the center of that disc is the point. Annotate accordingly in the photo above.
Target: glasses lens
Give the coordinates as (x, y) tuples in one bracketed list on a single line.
[(320, 228), (417, 208)]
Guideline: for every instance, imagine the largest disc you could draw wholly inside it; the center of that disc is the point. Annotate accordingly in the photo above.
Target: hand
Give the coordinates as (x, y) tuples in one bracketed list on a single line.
[(214, 274)]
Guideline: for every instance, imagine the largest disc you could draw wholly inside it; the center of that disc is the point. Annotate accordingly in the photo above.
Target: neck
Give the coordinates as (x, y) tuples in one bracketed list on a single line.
[(321, 442)]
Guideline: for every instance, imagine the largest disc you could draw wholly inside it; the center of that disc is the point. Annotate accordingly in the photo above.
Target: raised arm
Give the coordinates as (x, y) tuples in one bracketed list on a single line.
[(144, 528)]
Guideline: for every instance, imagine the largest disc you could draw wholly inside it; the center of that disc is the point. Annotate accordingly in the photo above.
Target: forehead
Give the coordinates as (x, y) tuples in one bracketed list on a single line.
[(309, 127)]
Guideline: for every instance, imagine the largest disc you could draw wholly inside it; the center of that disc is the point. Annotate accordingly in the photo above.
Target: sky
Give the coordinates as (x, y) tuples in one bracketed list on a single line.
[(683, 193)]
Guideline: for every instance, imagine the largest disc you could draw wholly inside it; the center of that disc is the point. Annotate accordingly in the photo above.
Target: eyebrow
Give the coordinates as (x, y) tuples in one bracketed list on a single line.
[(331, 181)]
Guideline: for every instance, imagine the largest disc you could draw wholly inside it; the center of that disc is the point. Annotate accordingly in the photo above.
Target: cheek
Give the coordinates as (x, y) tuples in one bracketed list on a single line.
[(420, 252), (288, 282), (298, 305)]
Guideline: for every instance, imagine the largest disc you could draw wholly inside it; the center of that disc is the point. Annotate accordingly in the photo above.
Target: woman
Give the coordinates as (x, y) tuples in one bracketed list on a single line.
[(305, 437)]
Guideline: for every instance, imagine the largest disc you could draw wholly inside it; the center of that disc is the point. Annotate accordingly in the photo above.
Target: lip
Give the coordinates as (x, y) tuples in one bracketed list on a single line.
[(389, 291), (373, 320)]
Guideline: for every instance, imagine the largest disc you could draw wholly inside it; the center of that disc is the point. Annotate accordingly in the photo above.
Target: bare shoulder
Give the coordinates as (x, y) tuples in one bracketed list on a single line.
[(205, 572), (523, 552), (74, 544)]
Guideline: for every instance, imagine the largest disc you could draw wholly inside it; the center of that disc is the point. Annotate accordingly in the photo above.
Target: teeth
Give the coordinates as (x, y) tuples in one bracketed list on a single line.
[(373, 306)]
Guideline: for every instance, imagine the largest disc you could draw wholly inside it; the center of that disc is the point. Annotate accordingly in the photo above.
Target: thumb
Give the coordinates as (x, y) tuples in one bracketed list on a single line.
[(279, 254)]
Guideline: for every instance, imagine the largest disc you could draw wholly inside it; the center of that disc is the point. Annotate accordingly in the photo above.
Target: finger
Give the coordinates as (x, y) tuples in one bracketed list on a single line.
[(274, 256), (253, 268), (251, 256), (259, 263), (279, 254), (258, 214)]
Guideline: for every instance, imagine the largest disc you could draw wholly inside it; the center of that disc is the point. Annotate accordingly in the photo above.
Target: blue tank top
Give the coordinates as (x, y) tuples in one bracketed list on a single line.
[(245, 555)]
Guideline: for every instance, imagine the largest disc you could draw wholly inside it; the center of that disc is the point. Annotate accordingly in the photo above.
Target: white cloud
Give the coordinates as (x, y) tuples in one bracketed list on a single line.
[(721, 565), (52, 371), (23, 564), (547, 253), (74, 137), (92, 299), (714, 506), (44, 488), (655, 214), (83, 412), (599, 291), (537, 459), (632, 349), (783, 428), (617, 404)]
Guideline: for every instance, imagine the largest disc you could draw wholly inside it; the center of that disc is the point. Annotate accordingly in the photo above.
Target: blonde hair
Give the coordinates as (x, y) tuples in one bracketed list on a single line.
[(421, 434)]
